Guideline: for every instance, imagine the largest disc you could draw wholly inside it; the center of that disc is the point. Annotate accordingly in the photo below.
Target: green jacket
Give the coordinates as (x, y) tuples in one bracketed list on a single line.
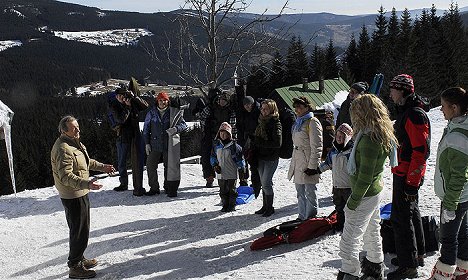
[(370, 159), (70, 167), (451, 173)]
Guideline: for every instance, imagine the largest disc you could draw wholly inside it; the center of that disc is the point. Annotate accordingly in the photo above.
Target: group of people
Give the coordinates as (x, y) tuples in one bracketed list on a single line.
[(250, 143)]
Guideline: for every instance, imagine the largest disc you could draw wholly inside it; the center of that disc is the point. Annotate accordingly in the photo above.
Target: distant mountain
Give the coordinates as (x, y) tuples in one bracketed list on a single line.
[(50, 64)]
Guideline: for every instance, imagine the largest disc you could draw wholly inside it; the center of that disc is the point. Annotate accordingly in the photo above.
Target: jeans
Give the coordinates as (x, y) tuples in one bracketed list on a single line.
[(361, 223), (454, 237), (266, 170), (307, 201), (77, 214), (137, 154)]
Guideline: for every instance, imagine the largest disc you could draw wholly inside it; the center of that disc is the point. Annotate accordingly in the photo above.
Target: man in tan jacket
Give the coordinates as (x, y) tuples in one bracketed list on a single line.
[(70, 167)]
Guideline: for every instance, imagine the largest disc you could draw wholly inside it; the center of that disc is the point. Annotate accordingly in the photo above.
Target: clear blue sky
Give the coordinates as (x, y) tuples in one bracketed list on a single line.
[(343, 7)]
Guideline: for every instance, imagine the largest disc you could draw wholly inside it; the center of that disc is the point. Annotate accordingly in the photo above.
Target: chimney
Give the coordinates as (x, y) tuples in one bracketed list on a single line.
[(321, 85), (305, 84)]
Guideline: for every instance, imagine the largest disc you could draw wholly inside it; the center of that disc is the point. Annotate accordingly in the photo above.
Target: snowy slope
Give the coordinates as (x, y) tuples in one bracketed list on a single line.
[(182, 238)]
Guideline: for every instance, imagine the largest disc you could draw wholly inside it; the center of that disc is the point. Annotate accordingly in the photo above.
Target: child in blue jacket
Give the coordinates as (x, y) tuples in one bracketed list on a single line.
[(227, 161)]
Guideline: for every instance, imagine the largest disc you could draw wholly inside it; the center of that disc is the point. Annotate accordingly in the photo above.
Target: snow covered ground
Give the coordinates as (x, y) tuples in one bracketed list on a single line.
[(182, 238)]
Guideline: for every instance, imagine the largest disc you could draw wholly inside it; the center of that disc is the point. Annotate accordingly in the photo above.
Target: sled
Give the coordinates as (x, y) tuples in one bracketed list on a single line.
[(295, 232), (245, 194)]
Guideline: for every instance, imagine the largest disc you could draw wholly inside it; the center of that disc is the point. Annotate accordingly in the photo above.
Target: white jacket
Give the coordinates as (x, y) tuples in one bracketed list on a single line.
[(308, 145)]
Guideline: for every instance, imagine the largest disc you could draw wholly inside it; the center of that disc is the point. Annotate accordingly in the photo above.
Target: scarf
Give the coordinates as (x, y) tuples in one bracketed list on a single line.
[(352, 157), (300, 120), (261, 130)]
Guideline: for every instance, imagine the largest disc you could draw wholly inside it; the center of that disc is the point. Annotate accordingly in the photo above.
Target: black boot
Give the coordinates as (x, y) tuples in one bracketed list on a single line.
[(263, 209), (370, 270), (269, 206)]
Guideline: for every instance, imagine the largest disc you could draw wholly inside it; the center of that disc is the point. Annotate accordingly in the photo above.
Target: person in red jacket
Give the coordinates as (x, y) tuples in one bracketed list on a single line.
[(412, 129)]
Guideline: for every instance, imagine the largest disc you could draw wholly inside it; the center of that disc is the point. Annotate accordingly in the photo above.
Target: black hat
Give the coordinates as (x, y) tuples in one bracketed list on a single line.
[(360, 87)]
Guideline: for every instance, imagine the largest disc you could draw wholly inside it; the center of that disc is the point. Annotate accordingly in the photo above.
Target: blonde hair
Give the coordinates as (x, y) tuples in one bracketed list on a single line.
[(369, 113), (271, 104)]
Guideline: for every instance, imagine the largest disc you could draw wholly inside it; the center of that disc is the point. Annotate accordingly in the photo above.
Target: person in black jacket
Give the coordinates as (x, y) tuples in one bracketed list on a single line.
[(126, 113), (412, 129), (355, 90), (247, 124), (267, 144)]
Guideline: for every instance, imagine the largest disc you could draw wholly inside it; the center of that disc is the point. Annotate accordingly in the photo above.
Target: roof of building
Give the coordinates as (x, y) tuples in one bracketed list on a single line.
[(331, 87)]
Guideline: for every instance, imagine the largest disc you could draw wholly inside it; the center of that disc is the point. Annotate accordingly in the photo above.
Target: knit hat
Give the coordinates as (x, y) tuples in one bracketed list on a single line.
[(360, 87), (303, 100), (162, 96), (248, 100), (347, 130), (403, 82), (226, 127)]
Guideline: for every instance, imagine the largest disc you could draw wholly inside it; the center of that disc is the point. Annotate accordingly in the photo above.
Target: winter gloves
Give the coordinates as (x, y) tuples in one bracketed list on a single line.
[(447, 216), (411, 193), (148, 149), (217, 169), (310, 172), (171, 131)]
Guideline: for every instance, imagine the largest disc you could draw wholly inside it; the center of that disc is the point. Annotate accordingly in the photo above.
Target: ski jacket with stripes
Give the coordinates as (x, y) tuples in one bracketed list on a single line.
[(413, 131)]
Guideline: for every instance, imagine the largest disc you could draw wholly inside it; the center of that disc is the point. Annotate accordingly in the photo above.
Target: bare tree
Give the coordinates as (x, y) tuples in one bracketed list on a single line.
[(215, 39)]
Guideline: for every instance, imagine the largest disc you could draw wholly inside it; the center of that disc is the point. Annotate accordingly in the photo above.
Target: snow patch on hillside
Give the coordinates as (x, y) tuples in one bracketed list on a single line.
[(13, 11), (9, 44), (114, 38)]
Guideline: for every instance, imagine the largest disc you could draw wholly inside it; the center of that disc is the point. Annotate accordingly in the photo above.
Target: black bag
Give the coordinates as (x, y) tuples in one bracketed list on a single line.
[(388, 239), (431, 233)]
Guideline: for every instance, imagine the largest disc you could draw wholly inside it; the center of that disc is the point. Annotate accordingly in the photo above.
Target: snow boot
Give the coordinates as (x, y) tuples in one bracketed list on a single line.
[(442, 271), (262, 210), (269, 206), (231, 205), (461, 272), (420, 260), (121, 188), (89, 263), (371, 270), (78, 271), (403, 273), (346, 276)]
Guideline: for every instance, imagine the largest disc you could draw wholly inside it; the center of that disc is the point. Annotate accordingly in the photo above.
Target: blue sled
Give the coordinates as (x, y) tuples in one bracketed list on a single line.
[(245, 194), (386, 211)]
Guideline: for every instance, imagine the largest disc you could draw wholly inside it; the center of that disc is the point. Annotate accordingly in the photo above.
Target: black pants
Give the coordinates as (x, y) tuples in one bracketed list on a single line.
[(205, 153), (228, 192), (77, 214), (340, 198), (407, 226)]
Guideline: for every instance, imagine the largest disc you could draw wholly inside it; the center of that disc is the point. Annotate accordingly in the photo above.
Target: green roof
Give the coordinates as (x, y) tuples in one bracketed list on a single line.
[(331, 87)]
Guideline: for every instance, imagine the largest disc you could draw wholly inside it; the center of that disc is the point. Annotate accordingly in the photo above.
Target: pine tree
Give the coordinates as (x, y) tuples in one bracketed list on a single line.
[(378, 42), (404, 37), (391, 62), (364, 55), (317, 64), (456, 47), (277, 72), (331, 67), (296, 62), (351, 65)]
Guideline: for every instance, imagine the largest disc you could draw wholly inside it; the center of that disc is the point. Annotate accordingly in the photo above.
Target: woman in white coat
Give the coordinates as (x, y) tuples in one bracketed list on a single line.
[(308, 145)]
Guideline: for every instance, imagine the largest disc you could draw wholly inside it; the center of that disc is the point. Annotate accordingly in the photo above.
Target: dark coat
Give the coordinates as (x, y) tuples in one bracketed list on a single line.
[(128, 118), (268, 149), (343, 115), (247, 124)]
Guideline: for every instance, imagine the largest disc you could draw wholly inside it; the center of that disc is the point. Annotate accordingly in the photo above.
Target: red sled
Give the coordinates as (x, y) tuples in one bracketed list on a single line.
[(293, 232)]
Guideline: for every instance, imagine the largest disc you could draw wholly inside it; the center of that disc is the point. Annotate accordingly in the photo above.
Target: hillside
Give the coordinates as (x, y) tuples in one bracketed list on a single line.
[(182, 238)]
